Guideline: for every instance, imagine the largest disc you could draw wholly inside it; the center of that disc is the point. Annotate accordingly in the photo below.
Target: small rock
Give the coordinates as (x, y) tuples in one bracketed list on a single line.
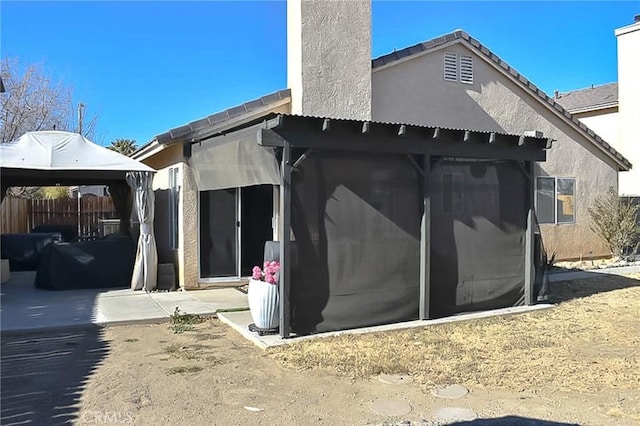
[(395, 379), (391, 407), (255, 409), (450, 392), (454, 414)]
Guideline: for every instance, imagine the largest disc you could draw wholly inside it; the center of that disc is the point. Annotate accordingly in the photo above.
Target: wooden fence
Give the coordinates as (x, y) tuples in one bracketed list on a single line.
[(20, 215), (13, 216)]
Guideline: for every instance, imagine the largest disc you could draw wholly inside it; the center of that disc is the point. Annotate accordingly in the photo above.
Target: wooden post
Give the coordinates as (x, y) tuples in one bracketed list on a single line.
[(529, 267), (285, 238), (425, 242)]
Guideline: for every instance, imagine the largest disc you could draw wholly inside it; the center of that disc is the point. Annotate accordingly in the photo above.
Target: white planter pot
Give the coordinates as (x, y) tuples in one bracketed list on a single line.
[(264, 304)]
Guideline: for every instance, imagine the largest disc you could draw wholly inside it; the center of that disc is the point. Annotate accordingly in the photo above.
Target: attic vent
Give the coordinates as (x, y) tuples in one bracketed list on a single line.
[(466, 69), (450, 66)]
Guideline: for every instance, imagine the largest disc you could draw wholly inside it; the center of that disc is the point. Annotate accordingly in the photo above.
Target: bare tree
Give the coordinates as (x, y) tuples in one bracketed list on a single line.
[(615, 220), (32, 102)]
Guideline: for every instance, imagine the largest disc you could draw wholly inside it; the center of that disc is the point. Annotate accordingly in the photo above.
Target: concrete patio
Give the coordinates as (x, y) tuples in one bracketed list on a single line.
[(23, 307)]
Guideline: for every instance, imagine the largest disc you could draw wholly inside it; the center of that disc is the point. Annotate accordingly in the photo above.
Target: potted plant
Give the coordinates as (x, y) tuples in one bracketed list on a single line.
[(263, 296)]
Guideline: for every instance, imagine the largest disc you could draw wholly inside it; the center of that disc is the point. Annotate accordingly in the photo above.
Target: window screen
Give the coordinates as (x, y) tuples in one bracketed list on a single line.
[(450, 66), (566, 200), (545, 199), (466, 69), (452, 193)]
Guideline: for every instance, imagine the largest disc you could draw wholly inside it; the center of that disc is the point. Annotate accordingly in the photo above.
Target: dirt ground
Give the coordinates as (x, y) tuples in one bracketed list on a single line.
[(209, 375)]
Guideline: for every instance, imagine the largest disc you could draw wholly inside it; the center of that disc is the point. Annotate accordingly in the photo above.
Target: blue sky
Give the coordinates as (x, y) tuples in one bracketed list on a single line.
[(145, 67)]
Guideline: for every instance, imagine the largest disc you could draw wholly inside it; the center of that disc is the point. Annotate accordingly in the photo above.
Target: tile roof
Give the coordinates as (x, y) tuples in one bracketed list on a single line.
[(593, 97), (190, 129), (482, 50)]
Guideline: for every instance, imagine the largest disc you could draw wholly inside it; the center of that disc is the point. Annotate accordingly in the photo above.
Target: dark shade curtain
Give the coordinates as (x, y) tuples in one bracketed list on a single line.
[(121, 195), (478, 223), (233, 161), (356, 220)]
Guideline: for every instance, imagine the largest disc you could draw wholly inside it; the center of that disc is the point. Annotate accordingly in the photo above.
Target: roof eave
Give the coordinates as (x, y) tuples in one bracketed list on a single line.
[(592, 108), (189, 133)]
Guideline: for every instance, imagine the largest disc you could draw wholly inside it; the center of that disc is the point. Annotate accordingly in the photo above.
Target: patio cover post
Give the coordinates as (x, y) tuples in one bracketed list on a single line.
[(285, 237), (529, 267), (425, 242)]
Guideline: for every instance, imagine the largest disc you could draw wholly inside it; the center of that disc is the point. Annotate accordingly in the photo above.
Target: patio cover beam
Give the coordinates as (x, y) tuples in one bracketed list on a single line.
[(344, 135)]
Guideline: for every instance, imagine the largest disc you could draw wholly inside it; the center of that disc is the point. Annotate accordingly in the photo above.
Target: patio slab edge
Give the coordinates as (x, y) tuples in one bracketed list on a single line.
[(229, 318), (238, 323)]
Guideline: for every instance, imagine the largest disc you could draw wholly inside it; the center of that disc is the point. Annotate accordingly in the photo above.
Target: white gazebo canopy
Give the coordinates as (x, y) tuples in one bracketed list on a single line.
[(54, 157), (62, 158)]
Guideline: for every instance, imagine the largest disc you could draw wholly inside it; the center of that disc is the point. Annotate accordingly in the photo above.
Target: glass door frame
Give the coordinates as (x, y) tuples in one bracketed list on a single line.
[(238, 227)]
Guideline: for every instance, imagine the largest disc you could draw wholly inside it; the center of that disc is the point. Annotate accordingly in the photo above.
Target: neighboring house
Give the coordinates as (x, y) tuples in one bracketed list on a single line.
[(613, 110), (595, 106), (451, 82)]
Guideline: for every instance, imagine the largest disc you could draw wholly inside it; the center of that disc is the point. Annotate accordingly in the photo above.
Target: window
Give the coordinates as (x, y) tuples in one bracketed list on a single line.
[(458, 65), (174, 200), (452, 193), (555, 200), (450, 66)]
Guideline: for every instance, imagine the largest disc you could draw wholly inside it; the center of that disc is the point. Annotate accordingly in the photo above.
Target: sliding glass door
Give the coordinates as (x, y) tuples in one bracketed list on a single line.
[(219, 234)]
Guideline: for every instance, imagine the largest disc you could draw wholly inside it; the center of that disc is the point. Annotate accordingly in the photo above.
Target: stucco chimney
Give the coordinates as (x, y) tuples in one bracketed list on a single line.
[(629, 104), (329, 58)]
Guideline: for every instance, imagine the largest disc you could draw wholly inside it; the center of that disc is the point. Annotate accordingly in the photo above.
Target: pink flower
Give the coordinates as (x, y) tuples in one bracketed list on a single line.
[(268, 272), (257, 273)]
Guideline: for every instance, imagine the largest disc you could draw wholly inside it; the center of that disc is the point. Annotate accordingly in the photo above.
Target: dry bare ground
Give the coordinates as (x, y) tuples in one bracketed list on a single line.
[(583, 345), (577, 363)]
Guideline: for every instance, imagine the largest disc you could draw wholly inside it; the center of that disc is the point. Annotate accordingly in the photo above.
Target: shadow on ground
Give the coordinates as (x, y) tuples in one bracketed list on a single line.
[(592, 283), (511, 420), (43, 374)]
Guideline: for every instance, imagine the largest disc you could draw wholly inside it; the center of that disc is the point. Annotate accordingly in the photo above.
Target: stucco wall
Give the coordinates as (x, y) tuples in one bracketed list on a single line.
[(185, 257), (329, 58), (416, 92), (629, 104), (188, 267)]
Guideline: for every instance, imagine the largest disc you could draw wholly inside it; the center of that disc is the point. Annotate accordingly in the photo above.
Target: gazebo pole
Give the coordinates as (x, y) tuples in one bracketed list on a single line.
[(425, 242), (285, 237)]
